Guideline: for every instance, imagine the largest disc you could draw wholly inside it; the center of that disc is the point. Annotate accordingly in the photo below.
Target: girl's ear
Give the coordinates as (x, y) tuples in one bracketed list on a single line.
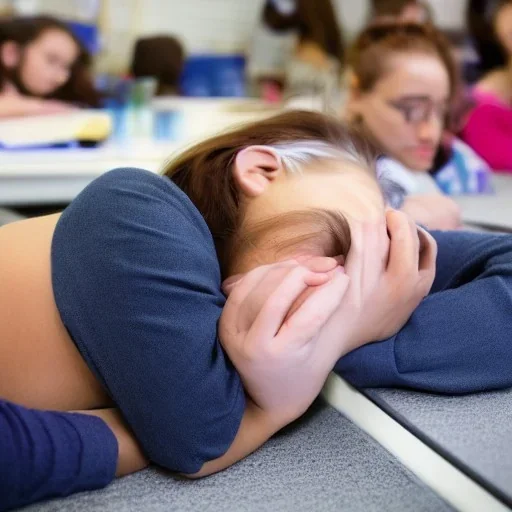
[(255, 168), (10, 54)]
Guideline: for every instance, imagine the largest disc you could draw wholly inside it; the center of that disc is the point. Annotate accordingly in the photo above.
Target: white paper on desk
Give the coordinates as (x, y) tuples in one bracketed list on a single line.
[(46, 130)]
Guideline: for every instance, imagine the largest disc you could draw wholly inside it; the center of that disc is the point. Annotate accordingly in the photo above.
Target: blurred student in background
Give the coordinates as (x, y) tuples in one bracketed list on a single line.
[(312, 58), (403, 81), (44, 68), (161, 57), (488, 128)]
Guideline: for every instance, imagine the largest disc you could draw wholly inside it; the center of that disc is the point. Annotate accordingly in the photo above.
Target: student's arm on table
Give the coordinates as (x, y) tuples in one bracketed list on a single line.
[(15, 105), (458, 339), (130, 457), (271, 348), (285, 348), (45, 454)]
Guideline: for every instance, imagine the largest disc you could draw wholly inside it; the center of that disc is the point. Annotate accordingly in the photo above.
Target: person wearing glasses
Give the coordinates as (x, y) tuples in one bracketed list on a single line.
[(404, 83)]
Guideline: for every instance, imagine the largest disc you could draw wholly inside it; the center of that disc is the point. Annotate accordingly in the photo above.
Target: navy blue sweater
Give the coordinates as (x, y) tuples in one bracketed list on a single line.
[(459, 338), (49, 454)]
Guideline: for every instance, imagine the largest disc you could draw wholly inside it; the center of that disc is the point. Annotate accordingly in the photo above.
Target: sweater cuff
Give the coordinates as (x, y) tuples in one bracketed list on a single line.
[(99, 452), (372, 365)]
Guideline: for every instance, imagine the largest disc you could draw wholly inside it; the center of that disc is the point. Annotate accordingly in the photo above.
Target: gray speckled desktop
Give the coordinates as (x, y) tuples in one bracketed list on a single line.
[(472, 431), (323, 463), (493, 211)]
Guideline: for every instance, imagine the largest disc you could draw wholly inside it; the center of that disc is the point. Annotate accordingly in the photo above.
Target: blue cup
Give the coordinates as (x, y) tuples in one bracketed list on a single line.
[(165, 125)]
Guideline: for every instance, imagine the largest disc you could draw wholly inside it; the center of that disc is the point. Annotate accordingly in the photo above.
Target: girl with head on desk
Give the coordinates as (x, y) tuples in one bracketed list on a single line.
[(403, 85), (43, 68), (117, 301)]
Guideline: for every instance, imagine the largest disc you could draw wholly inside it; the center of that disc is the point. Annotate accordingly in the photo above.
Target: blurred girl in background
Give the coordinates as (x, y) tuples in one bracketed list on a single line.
[(403, 84), (44, 68), (300, 43)]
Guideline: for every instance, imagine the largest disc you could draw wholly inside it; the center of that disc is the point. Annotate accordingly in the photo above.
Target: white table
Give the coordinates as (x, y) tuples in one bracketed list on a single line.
[(58, 175)]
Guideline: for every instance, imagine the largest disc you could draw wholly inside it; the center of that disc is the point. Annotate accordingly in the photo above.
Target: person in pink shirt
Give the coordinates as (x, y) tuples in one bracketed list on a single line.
[(403, 82), (488, 126)]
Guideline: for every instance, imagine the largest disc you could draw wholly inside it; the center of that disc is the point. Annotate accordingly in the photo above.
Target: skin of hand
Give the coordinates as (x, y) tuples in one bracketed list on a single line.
[(16, 104), (435, 211), (282, 359), (391, 269)]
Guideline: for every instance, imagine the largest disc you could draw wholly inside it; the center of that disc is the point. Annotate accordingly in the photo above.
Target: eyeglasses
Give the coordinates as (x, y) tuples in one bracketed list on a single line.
[(420, 110)]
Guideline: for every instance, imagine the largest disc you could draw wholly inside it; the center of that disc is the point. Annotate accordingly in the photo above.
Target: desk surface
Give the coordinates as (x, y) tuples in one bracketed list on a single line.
[(473, 431), (494, 211), (57, 176)]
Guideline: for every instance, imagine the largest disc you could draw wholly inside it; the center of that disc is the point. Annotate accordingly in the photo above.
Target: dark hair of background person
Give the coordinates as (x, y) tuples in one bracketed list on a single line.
[(480, 16), (79, 88), (161, 57), (314, 21)]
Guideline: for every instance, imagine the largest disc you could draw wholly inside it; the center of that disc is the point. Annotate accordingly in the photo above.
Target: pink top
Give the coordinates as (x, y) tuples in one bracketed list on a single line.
[(488, 130)]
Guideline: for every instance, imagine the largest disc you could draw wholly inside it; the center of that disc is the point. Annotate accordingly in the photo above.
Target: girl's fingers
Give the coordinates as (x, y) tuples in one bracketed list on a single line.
[(319, 263), (428, 256), (274, 310), (248, 293), (404, 246), (305, 324)]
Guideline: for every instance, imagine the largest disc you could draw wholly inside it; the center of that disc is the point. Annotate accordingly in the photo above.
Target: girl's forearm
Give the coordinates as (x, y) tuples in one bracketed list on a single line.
[(256, 427)]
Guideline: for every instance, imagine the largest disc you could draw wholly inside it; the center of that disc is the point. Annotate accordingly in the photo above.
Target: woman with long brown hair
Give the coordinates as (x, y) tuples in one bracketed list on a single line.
[(117, 302), (44, 68), (404, 85)]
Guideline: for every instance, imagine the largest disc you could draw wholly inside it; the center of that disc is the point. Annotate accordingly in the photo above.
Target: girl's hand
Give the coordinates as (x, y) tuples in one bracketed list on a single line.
[(391, 269), (435, 211), (282, 358)]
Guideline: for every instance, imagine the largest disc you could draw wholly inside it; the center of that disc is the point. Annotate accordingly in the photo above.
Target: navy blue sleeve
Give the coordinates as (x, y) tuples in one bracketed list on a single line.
[(137, 282), (458, 339), (50, 454)]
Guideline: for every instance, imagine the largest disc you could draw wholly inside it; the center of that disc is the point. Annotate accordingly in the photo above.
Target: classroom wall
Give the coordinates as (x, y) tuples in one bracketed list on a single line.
[(203, 25)]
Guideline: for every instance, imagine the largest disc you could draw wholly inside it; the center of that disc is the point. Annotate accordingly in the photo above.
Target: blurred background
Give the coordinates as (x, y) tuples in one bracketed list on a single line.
[(88, 85), (203, 27)]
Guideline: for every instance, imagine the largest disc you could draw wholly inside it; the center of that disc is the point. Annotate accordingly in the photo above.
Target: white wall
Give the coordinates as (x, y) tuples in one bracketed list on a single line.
[(202, 25), (449, 13), (206, 25)]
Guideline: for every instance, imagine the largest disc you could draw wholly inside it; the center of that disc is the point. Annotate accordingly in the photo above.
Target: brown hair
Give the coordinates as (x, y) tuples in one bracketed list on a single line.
[(23, 31), (369, 56), (160, 57), (313, 21), (481, 18), (204, 173)]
